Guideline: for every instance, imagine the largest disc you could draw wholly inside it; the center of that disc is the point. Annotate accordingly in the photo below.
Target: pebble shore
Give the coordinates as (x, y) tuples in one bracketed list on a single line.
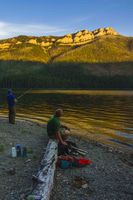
[(16, 173), (109, 177)]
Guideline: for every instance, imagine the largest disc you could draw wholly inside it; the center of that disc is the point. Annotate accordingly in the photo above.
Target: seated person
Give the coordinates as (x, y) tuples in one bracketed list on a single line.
[(54, 127)]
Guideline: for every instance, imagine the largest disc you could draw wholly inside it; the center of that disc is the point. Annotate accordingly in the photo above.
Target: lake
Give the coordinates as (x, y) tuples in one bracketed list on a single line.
[(96, 112)]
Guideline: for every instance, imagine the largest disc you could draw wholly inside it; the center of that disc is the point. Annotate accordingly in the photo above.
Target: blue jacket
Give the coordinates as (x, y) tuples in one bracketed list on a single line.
[(10, 99)]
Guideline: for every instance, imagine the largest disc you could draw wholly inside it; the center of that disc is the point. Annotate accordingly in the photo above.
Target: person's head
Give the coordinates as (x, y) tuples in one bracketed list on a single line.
[(58, 112), (9, 91)]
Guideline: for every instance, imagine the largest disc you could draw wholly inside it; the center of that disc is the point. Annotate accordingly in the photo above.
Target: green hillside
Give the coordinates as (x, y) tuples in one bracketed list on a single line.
[(59, 62), (25, 52), (103, 50)]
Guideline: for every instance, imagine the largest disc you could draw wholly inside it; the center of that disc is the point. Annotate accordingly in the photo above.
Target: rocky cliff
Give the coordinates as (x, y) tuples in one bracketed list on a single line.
[(77, 38)]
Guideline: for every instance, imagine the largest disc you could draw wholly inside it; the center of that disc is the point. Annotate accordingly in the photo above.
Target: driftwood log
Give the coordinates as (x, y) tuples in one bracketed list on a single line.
[(45, 177)]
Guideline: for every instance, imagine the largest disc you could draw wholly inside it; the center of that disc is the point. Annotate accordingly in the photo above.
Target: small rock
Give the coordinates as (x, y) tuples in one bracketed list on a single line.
[(11, 171), (85, 186), (22, 196), (27, 161)]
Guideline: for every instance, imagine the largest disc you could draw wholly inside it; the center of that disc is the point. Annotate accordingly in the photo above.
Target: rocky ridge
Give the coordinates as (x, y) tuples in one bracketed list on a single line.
[(78, 38)]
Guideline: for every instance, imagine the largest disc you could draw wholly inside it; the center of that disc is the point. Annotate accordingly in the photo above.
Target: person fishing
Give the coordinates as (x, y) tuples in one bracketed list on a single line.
[(11, 100), (54, 127)]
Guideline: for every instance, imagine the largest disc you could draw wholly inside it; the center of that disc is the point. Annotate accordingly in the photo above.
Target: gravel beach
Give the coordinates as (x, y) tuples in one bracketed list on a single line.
[(109, 177), (16, 173)]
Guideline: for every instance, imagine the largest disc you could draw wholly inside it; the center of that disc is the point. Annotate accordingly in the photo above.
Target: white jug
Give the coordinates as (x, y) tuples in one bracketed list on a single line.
[(14, 153)]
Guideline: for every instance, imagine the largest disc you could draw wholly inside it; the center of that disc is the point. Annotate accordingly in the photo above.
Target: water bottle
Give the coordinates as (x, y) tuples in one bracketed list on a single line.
[(18, 149), (14, 153), (24, 153)]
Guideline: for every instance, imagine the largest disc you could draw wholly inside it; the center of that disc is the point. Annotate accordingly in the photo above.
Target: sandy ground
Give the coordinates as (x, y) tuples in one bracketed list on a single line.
[(16, 173)]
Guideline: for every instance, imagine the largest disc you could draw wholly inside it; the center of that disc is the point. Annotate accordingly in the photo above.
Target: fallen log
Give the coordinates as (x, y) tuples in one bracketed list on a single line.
[(44, 179)]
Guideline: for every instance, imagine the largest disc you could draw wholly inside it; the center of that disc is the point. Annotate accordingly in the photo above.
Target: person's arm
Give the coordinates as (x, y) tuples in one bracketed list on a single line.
[(60, 138), (15, 99), (65, 127)]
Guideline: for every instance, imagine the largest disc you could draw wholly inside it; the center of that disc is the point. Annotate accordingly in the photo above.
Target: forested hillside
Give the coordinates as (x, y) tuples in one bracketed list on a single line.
[(98, 59)]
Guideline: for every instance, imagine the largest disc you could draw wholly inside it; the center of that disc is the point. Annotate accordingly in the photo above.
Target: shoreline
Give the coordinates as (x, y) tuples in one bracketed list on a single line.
[(110, 167), (104, 141), (108, 177), (114, 143), (101, 140)]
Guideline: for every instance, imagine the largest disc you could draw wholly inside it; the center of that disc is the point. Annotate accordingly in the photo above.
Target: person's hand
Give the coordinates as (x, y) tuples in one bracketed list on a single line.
[(15, 100), (64, 143), (67, 128)]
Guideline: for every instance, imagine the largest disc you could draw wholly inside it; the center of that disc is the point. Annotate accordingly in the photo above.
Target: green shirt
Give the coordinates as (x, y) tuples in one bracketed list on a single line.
[(53, 126)]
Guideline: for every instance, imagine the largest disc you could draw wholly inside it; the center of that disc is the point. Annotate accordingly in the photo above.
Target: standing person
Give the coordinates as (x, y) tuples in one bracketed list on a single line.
[(54, 125), (11, 100)]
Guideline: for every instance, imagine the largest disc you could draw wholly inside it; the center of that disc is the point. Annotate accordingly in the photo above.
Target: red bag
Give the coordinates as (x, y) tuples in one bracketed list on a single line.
[(83, 161), (75, 162)]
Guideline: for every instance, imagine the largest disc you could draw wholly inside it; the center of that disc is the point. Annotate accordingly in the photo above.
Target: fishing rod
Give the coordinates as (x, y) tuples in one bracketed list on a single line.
[(19, 97), (23, 94)]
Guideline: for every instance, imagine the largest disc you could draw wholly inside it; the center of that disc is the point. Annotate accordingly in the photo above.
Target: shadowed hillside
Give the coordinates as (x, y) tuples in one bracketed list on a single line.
[(18, 74)]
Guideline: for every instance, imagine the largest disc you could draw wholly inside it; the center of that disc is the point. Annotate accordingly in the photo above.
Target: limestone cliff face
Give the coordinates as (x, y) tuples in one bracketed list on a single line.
[(32, 41), (5, 45), (86, 36), (66, 39), (82, 36), (78, 38), (104, 31)]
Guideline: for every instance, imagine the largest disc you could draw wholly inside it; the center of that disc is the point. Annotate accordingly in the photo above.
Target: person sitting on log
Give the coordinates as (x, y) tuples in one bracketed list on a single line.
[(54, 127)]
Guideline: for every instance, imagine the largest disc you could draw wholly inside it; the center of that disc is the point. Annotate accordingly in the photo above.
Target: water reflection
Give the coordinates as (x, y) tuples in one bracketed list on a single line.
[(98, 112)]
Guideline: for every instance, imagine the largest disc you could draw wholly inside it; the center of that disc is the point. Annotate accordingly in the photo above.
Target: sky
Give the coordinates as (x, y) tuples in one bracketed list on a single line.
[(59, 17)]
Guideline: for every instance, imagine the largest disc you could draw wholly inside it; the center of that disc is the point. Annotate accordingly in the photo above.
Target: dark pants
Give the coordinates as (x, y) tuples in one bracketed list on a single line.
[(62, 149), (12, 113)]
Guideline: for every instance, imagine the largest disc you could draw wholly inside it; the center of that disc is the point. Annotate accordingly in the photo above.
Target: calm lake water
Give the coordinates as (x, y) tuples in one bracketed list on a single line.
[(97, 112)]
